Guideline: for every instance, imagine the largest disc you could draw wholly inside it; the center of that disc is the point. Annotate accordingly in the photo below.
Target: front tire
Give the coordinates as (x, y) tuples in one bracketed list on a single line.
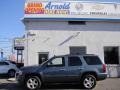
[(11, 73), (33, 83), (89, 81)]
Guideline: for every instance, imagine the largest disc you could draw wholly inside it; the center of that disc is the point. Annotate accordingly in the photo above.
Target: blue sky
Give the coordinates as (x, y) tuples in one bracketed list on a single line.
[(11, 11)]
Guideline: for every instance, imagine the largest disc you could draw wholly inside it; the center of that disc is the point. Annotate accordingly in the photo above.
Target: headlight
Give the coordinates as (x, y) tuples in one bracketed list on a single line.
[(20, 72)]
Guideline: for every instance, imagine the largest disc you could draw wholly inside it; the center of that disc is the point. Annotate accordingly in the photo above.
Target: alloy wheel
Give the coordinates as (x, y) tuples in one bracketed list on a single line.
[(33, 83), (89, 82)]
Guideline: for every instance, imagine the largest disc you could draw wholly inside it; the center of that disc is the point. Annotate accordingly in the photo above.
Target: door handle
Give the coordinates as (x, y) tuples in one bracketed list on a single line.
[(62, 69), (81, 68)]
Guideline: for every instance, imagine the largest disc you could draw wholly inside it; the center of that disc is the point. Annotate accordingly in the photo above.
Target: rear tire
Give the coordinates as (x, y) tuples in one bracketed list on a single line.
[(33, 83), (89, 81)]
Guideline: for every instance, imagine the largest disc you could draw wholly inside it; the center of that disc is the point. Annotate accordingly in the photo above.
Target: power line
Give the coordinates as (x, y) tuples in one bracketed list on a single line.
[(6, 47), (4, 41)]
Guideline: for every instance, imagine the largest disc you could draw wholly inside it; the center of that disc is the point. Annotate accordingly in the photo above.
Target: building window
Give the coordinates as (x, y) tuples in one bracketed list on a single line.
[(76, 22), (75, 50), (42, 57), (111, 55), (74, 61)]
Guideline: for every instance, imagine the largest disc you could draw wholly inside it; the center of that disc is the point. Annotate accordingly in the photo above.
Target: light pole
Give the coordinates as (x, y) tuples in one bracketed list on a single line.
[(1, 52), (26, 46)]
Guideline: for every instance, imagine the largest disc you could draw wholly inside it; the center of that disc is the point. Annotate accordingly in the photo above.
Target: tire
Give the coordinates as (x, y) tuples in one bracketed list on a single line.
[(33, 83), (11, 73), (89, 81)]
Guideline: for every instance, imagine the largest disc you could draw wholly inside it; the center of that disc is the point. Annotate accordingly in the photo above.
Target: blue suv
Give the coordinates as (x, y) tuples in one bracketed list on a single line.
[(83, 69)]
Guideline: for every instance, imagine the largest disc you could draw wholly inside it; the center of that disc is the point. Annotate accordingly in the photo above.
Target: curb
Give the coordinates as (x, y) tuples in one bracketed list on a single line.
[(11, 79)]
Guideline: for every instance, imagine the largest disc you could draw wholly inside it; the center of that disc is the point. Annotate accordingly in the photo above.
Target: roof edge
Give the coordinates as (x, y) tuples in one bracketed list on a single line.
[(70, 19)]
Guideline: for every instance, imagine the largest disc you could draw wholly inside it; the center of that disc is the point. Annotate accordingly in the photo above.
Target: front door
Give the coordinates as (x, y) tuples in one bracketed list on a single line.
[(4, 67), (55, 71)]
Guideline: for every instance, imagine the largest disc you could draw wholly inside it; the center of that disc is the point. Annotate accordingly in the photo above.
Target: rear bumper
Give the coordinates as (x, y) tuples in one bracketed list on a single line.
[(102, 76)]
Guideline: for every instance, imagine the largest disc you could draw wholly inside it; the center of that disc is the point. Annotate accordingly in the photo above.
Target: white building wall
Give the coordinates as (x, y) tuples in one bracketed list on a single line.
[(51, 36)]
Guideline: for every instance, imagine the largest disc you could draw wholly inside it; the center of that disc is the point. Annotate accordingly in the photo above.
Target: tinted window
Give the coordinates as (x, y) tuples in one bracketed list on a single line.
[(92, 60), (74, 61), (12, 62), (1, 63), (76, 22), (57, 62), (4, 63)]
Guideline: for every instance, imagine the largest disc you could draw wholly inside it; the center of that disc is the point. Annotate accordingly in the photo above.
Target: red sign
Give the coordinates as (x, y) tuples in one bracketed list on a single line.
[(34, 8)]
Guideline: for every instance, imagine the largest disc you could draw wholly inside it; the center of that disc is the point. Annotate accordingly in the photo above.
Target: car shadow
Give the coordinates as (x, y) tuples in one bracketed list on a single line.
[(16, 86), (62, 86), (4, 76), (13, 85)]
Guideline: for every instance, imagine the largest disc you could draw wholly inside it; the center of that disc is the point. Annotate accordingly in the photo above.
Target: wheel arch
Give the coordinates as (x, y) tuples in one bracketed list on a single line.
[(11, 75), (89, 73), (35, 76), (11, 70), (32, 74)]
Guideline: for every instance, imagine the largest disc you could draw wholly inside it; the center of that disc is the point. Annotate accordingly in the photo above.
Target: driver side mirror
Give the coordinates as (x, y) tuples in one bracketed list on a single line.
[(49, 64)]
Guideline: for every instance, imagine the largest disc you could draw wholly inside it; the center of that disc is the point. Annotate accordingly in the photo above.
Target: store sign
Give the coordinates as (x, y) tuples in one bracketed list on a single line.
[(72, 9), (34, 8), (19, 44), (47, 8)]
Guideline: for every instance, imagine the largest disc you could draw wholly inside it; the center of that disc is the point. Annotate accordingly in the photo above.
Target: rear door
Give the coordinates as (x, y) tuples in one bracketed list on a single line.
[(74, 68)]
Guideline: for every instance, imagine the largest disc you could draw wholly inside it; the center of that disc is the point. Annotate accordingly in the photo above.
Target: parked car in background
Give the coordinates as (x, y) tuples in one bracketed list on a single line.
[(8, 67), (18, 64), (82, 69)]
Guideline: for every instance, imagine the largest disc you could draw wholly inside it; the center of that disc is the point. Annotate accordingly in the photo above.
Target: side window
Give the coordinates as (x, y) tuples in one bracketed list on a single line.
[(57, 62), (1, 63), (92, 60), (4, 63), (74, 61)]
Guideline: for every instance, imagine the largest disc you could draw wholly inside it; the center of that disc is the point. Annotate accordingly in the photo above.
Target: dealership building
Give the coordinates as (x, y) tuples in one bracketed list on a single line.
[(59, 27)]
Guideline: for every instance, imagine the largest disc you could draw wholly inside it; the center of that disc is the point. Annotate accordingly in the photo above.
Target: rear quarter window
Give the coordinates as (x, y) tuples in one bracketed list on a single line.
[(92, 60)]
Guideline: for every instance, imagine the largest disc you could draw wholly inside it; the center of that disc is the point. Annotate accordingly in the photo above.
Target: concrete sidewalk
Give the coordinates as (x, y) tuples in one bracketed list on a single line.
[(108, 84)]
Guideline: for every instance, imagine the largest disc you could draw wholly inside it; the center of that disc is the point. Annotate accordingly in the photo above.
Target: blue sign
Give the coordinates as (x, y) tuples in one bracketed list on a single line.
[(65, 5)]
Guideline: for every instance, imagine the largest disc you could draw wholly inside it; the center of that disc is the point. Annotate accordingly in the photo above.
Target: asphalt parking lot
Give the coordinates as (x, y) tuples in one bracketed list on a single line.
[(108, 84)]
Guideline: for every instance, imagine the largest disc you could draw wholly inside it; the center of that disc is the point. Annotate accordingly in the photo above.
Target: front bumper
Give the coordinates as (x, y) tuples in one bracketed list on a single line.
[(20, 78)]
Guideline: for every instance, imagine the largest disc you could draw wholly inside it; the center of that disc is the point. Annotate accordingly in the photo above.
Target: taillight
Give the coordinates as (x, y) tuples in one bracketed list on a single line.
[(104, 67)]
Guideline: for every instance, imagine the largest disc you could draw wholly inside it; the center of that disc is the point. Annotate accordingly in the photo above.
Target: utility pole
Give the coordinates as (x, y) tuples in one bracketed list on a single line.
[(1, 52)]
